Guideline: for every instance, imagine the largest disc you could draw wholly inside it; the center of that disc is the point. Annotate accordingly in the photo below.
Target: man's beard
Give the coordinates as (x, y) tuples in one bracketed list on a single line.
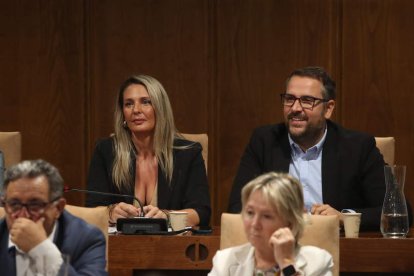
[(309, 135)]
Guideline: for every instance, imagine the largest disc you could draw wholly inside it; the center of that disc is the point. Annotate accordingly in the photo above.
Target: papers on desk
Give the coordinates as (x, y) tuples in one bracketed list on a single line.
[(112, 230)]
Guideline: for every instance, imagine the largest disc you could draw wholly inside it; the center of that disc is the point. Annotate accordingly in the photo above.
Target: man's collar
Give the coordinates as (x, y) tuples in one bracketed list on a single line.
[(316, 148)]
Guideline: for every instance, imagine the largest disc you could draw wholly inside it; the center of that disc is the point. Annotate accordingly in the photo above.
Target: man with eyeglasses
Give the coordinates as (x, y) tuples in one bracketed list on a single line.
[(340, 169), (36, 232)]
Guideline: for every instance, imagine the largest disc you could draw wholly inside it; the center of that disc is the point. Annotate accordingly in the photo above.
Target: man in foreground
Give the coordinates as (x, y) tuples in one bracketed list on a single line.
[(37, 234)]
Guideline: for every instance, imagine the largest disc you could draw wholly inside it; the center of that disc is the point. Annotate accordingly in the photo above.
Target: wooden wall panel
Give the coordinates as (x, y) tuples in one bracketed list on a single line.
[(258, 44), (164, 39), (223, 63), (42, 82), (378, 70)]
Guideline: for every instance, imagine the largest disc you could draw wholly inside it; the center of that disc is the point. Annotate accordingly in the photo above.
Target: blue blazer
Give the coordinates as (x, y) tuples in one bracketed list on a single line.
[(84, 243)]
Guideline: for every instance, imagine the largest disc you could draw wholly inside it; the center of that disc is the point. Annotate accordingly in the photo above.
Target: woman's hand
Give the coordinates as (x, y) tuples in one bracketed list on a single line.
[(154, 212), (283, 243), (122, 210)]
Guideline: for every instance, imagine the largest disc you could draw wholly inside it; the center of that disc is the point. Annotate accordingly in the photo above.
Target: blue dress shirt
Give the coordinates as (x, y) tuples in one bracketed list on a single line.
[(307, 167)]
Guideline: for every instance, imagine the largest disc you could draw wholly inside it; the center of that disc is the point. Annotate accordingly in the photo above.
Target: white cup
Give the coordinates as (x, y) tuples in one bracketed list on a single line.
[(351, 224), (178, 220)]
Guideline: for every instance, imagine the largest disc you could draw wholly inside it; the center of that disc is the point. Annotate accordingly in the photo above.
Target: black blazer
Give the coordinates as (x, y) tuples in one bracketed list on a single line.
[(84, 243), (188, 187), (352, 169)]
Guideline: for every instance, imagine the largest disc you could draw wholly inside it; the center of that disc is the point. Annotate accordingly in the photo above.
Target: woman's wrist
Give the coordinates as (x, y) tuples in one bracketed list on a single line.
[(167, 216), (111, 208)]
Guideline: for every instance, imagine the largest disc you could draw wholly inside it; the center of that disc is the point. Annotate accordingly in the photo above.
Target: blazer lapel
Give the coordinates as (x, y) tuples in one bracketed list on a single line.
[(163, 190), (300, 260), (330, 180), (244, 261), (281, 154), (7, 256)]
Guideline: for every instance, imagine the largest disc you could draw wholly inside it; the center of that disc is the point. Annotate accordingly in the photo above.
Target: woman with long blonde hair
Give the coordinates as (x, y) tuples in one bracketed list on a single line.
[(147, 158)]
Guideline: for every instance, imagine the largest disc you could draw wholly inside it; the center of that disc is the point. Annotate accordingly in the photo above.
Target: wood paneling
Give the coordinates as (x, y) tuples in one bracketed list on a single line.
[(258, 44), (377, 74), (42, 80), (164, 39), (223, 64), (371, 250)]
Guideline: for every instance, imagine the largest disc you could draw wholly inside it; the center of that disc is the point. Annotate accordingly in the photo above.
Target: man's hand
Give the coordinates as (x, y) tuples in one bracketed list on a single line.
[(325, 210), (26, 233)]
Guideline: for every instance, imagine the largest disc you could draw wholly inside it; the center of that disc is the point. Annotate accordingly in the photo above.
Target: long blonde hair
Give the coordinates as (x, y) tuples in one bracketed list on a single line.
[(164, 133)]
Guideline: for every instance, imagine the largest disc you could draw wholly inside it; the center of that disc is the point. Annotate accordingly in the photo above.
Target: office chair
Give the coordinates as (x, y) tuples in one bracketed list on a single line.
[(386, 146), (11, 146), (203, 140)]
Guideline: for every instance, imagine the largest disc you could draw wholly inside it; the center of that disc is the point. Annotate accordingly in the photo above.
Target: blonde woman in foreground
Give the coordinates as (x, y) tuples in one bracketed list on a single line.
[(272, 212)]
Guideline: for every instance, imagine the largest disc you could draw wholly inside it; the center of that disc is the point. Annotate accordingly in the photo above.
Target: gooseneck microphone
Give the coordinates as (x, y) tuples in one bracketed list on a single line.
[(138, 225), (142, 214)]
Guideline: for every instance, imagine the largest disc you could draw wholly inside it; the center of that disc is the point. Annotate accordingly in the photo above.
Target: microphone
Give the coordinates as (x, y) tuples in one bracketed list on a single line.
[(137, 225), (142, 214), (2, 170)]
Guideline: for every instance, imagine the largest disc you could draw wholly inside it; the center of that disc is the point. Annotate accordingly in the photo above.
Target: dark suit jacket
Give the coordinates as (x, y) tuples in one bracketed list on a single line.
[(84, 243), (188, 187), (352, 169)]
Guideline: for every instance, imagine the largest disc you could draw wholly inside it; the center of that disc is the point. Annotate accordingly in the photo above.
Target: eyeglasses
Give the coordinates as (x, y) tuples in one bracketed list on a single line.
[(306, 102), (34, 208)]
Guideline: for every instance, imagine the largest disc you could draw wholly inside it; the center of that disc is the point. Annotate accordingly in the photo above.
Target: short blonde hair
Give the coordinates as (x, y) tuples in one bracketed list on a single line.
[(284, 194)]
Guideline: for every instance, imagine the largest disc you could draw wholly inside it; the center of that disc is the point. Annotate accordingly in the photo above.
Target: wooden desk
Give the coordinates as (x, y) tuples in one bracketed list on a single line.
[(187, 252), (368, 253), (373, 253)]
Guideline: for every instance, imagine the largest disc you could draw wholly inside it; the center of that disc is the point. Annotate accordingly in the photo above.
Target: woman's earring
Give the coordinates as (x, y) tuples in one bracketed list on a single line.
[(124, 124)]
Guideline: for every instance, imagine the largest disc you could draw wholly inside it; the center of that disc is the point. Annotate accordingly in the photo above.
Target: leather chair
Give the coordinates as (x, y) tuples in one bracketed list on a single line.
[(11, 146), (97, 216), (320, 231), (203, 140), (386, 146)]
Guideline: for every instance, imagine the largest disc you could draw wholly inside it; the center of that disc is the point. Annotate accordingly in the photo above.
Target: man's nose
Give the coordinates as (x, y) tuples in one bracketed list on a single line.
[(23, 213), (297, 106)]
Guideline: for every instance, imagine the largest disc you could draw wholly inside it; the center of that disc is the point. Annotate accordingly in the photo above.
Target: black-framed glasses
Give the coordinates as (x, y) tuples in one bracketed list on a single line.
[(306, 102), (34, 208)]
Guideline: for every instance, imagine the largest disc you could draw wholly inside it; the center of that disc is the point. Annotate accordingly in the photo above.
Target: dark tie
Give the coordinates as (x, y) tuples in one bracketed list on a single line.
[(11, 267)]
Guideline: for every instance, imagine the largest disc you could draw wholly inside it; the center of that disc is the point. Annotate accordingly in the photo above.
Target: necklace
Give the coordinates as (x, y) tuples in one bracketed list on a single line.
[(274, 271)]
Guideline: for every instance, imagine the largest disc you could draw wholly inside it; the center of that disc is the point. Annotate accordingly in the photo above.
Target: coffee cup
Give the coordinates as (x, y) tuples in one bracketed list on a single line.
[(352, 222), (178, 220)]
